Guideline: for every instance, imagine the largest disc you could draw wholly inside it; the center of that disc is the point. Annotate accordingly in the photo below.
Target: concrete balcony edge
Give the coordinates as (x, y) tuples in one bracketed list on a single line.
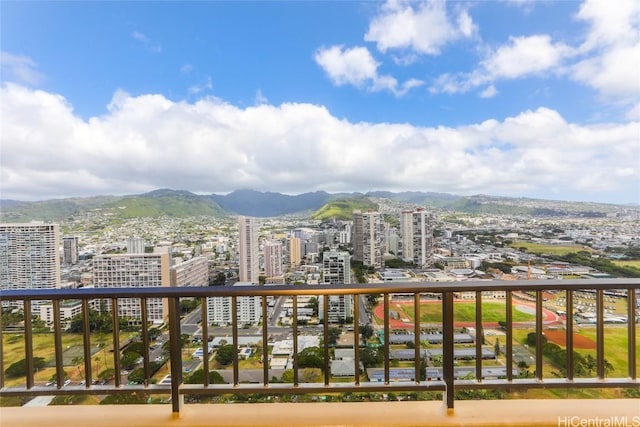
[(530, 412)]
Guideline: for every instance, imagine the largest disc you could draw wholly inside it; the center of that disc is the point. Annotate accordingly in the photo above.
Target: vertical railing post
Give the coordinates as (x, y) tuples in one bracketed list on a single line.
[(631, 330), (28, 343), (479, 334), (417, 332), (539, 343), (294, 322), (145, 341), (356, 337), (447, 347), (387, 320), (569, 329), (57, 343), (325, 337), (1, 352), (234, 335), (600, 333), (115, 324), (204, 321), (86, 341), (175, 348), (265, 343), (509, 336)]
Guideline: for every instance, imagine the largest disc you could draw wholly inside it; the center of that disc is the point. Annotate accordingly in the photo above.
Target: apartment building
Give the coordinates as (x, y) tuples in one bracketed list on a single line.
[(134, 271), (368, 238), (219, 310), (193, 272), (249, 268), (294, 251), (272, 258), (336, 270), (416, 228), (29, 257), (70, 252)]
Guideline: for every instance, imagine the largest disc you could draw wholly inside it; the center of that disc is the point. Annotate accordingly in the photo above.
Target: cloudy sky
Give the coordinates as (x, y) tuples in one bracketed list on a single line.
[(516, 98)]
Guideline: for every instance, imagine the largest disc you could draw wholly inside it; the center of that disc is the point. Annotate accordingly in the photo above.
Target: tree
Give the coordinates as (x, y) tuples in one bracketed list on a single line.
[(371, 357), (197, 377), (334, 335), (313, 304), (311, 357), (411, 345), (107, 374), (366, 331), (19, 368), (129, 359), (224, 354), (497, 347)]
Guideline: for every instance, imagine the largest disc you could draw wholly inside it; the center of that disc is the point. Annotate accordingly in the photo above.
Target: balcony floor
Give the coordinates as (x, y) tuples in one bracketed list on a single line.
[(560, 412)]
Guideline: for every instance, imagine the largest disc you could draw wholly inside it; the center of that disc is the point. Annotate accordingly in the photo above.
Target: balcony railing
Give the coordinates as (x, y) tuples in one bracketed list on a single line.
[(446, 382)]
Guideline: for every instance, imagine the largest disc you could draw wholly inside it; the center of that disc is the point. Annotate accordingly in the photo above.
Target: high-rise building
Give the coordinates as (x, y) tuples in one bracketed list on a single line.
[(249, 268), (70, 253), (29, 257), (272, 258), (368, 238), (249, 309), (336, 270), (416, 228), (135, 245), (294, 251), (193, 272), (133, 271)]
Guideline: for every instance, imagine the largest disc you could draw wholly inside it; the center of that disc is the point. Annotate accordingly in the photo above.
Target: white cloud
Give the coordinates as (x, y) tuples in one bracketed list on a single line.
[(521, 57), (147, 42), (260, 98), (186, 68), (356, 66), (205, 85), (148, 142), (524, 56), (611, 50), (488, 92), (19, 68), (423, 27)]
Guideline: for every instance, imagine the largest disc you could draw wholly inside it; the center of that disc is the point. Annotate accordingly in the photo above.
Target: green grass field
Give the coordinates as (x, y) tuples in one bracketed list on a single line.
[(631, 263), (549, 249), (492, 311), (13, 346)]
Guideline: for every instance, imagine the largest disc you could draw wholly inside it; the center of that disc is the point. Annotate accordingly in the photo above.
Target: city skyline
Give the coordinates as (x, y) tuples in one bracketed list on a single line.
[(521, 99)]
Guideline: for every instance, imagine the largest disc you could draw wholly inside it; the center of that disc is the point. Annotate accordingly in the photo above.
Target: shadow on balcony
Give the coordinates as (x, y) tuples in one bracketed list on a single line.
[(558, 413)]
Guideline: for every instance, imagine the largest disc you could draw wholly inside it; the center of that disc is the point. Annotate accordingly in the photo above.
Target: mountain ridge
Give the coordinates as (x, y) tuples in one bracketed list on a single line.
[(183, 203)]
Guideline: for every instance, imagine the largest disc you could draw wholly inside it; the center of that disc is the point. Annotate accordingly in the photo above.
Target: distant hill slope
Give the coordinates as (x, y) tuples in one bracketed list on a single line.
[(163, 202), (265, 204), (256, 203), (342, 209), (156, 203)]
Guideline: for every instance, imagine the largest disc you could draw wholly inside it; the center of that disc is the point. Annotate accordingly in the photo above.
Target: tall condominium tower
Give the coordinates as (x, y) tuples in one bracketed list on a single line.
[(416, 228), (193, 272), (134, 271), (294, 251), (70, 254), (368, 238), (29, 257), (272, 258), (135, 245), (336, 270), (248, 247)]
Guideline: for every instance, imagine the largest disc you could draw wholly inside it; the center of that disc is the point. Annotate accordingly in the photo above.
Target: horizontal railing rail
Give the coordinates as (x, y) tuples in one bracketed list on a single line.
[(417, 382)]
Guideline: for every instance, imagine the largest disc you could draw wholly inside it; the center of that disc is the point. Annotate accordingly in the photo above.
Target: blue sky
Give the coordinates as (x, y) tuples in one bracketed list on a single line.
[(516, 98)]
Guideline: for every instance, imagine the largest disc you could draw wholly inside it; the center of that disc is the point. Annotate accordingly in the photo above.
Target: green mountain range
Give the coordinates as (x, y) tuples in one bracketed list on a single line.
[(318, 205)]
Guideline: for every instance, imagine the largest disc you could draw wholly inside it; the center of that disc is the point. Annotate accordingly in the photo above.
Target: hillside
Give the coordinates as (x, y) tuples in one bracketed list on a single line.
[(182, 204), (342, 209), (179, 204)]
